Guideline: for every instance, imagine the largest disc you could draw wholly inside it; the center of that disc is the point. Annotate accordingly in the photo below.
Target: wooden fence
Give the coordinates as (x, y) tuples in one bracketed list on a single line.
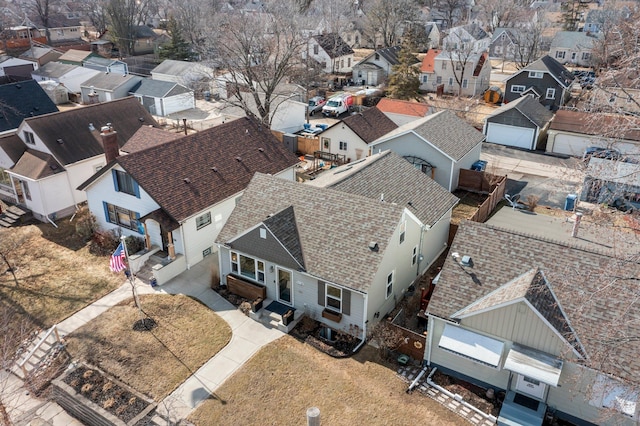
[(483, 183), (414, 343)]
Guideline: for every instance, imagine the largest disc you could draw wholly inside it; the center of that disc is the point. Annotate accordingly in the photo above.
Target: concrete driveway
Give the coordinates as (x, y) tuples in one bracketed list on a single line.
[(531, 173)]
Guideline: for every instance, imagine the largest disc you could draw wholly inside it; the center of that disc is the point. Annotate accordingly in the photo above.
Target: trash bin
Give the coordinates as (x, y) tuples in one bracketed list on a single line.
[(570, 202), (479, 166), (207, 95)]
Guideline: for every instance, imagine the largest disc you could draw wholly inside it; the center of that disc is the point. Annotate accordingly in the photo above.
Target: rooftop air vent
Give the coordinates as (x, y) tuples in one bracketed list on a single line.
[(60, 141), (373, 246), (186, 180), (238, 159), (466, 261), (261, 149), (141, 119), (214, 169), (91, 127)]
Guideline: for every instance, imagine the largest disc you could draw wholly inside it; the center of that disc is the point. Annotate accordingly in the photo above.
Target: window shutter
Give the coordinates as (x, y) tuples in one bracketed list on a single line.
[(346, 301), (114, 173), (106, 211), (136, 188), (321, 300), (140, 226)]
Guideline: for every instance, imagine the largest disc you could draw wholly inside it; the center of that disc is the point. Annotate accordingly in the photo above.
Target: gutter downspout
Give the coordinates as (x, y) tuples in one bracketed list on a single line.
[(430, 340), (44, 205), (184, 247)]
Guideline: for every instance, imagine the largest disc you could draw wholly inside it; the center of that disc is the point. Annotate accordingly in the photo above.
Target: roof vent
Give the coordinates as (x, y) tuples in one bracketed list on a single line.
[(91, 127), (238, 159), (214, 169), (60, 141), (53, 166), (466, 261), (18, 86), (261, 149), (141, 119), (373, 246), (246, 131), (186, 180)]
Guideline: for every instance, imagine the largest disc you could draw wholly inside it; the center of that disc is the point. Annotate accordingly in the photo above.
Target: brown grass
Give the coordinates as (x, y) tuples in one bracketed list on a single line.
[(282, 380), (57, 275), (152, 362)]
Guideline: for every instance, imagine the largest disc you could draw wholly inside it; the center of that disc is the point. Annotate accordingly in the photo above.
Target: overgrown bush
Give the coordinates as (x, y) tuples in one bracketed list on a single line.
[(134, 244), (532, 201), (103, 243), (85, 225)]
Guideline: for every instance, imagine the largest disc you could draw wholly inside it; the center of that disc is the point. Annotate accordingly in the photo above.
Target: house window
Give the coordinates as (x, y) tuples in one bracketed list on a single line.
[(465, 83), (316, 49), (348, 62), (247, 266), (560, 54), (439, 79), (120, 216), (203, 220), (536, 74), (389, 285), (334, 298), (586, 56), (516, 88), (458, 66), (403, 229), (450, 81), (29, 138), (425, 78), (551, 93), (414, 256), (607, 392), (377, 56), (124, 183), (573, 56), (326, 142), (25, 190), (206, 252), (444, 65), (343, 146), (341, 63), (4, 177)]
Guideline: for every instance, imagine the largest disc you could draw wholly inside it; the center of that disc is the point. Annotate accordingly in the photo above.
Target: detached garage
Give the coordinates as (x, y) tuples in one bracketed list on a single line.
[(163, 98), (521, 124)]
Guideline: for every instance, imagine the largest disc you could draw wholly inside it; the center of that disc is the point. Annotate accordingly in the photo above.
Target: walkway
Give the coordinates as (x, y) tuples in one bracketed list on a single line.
[(248, 337)]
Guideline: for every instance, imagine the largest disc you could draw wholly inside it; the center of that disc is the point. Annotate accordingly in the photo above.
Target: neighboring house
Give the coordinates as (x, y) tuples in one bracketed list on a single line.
[(107, 87), (573, 47), (599, 20), (77, 57), (402, 112), (22, 100), (616, 91), (162, 97), (512, 44), (106, 65), (16, 67), (470, 37), (71, 76), (41, 54), (377, 67), (440, 145), (51, 71), (538, 317), (572, 132), (352, 35), (350, 137), (11, 149), (342, 249), (331, 52), (472, 69), (63, 28), (546, 79), (63, 150), (21, 37), (433, 35), (146, 40), (193, 75), (522, 123), (428, 77), (609, 181), (178, 194)]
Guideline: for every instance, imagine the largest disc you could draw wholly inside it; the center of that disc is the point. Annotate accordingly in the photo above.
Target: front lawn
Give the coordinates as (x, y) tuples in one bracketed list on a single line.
[(286, 377), (155, 361)]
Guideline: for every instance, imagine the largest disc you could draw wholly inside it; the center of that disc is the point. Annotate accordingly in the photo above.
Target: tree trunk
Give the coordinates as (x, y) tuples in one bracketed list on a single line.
[(10, 268), (4, 415)]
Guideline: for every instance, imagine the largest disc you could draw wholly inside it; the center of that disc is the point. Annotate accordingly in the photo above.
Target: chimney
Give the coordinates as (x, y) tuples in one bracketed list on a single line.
[(109, 142)]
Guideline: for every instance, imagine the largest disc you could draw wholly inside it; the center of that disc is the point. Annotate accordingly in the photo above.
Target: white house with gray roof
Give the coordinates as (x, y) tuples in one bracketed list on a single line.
[(343, 249), (106, 87), (72, 76), (573, 47), (440, 145), (163, 98)]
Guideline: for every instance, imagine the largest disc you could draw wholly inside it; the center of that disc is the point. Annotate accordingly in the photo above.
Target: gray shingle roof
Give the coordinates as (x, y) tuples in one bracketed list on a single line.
[(573, 40), (53, 69), (158, 88), (445, 131), (173, 67), (553, 67), (12, 146), (37, 165), (283, 226), (335, 228), (530, 108), (389, 174), (333, 44), (597, 292), (21, 101), (109, 81)]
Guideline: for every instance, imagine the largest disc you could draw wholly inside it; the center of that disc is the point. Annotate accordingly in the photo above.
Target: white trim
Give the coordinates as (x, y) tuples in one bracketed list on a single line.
[(535, 364), (468, 344), (287, 302)]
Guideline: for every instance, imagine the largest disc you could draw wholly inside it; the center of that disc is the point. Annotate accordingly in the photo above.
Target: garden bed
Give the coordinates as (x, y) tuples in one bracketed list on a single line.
[(310, 331), (474, 395)]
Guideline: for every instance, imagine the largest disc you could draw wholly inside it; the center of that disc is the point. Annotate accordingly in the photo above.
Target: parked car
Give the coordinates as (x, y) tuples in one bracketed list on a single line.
[(599, 152), (315, 104), (338, 104), (585, 78)]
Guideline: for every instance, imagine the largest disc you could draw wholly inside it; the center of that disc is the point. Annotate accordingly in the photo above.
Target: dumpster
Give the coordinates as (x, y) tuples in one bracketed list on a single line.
[(479, 166), (570, 202)]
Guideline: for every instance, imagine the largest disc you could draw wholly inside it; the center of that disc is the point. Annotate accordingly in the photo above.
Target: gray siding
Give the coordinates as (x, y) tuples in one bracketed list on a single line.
[(269, 248), (540, 84)]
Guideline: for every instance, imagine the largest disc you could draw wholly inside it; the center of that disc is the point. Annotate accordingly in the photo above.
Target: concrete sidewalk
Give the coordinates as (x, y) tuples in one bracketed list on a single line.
[(248, 337)]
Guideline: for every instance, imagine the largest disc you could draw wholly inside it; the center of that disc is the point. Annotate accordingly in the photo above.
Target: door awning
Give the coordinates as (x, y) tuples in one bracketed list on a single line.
[(468, 344), (534, 364)]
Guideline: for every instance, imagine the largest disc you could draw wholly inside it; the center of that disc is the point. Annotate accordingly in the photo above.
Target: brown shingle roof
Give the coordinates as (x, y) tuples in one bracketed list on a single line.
[(146, 137), (36, 165), (199, 170), (597, 292), (13, 146), (370, 124), (609, 125)]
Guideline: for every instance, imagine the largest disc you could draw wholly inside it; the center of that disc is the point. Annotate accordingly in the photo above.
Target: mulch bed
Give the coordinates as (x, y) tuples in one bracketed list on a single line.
[(471, 393), (310, 331), (105, 393)]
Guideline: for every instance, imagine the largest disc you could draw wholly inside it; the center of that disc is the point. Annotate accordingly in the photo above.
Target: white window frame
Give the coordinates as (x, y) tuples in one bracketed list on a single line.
[(258, 267), (536, 74), (389, 285), (551, 93), (450, 81), (29, 137), (518, 88), (586, 56), (439, 79), (444, 65), (336, 299), (425, 78), (560, 54), (343, 146), (203, 220), (403, 231), (465, 83)]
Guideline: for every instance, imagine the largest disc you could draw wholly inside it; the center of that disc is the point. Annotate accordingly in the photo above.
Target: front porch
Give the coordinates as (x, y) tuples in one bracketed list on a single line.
[(275, 315)]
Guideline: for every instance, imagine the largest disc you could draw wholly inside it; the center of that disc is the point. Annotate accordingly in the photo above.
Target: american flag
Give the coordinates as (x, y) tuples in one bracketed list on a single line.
[(116, 263)]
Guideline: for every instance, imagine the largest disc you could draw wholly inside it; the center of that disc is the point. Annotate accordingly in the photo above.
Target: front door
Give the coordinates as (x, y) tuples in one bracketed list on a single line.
[(285, 287), (531, 387)]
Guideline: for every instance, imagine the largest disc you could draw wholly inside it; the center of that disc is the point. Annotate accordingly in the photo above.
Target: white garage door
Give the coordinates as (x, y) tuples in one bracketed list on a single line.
[(510, 136), (571, 144)]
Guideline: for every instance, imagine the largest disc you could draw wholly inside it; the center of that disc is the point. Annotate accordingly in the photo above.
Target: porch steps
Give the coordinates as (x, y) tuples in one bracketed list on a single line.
[(274, 320), (13, 215)]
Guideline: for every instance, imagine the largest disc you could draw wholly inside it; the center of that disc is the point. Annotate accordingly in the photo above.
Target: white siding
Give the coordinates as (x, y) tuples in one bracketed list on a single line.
[(356, 147), (289, 116), (435, 241), (49, 196), (39, 145), (80, 172), (502, 134), (177, 103), (575, 144)]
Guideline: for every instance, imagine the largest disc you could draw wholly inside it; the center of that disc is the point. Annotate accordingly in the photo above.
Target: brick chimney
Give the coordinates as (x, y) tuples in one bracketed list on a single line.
[(110, 142)]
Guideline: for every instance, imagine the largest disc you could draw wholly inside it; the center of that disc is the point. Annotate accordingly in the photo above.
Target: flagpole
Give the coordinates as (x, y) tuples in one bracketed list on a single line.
[(130, 274)]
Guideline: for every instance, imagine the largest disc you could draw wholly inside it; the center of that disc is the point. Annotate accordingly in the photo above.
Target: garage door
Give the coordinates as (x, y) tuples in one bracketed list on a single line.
[(510, 136), (571, 144)]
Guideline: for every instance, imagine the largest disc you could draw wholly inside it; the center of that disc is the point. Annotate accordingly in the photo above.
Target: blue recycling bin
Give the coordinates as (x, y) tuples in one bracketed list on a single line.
[(479, 166), (570, 202)]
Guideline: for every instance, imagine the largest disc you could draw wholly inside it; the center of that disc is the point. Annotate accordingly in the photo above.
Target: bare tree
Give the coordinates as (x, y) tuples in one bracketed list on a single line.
[(452, 9), (529, 43), (96, 10), (386, 19), (124, 16), (259, 51), (42, 8)]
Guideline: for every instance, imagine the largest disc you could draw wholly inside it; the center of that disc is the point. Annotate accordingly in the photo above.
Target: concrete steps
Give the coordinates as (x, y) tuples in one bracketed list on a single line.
[(13, 215)]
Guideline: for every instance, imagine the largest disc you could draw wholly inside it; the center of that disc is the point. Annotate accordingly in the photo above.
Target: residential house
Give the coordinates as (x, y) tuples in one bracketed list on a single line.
[(599, 20), (194, 75), (20, 37), (41, 54), (178, 194), (71, 76), (573, 47), (615, 91), (107, 87), (468, 38), (342, 249), (572, 132), (62, 28), (352, 34), (377, 67), (461, 73), (63, 150), (428, 77), (522, 123), (106, 65), (515, 311), (402, 112), (162, 97), (546, 79), (350, 137), (16, 67), (612, 182), (22, 100), (331, 52), (433, 35), (11, 149), (146, 40), (512, 44), (77, 57), (440, 145)]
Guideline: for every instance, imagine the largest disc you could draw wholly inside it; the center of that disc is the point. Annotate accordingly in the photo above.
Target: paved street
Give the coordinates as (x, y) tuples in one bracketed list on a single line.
[(531, 173)]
